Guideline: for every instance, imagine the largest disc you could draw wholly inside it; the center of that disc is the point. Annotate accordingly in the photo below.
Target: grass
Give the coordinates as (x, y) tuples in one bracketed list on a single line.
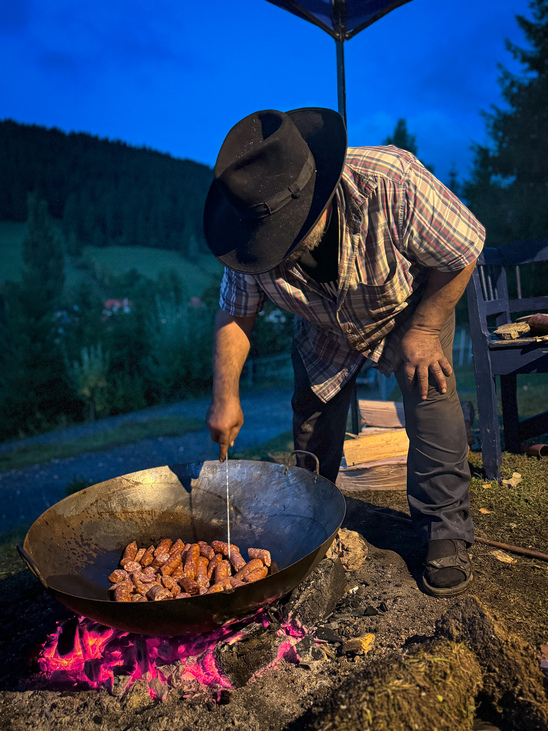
[(130, 433), (111, 260), (117, 260)]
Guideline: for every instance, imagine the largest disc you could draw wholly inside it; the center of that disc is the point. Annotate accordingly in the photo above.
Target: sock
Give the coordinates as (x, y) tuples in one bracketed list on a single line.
[(443, 578)]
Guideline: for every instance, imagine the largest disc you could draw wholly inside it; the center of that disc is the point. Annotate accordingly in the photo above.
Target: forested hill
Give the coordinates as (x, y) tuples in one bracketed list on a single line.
[(105, 193)]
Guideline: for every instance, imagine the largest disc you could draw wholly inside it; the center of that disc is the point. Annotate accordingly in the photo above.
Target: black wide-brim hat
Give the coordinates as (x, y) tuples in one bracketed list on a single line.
[(275, 174)]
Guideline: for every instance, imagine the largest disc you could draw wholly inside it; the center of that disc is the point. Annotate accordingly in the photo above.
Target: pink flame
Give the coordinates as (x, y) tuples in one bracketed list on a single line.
[(100, 655)]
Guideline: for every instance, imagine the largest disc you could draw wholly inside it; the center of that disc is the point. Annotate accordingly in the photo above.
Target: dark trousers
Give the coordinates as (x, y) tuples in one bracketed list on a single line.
[(438, 475)]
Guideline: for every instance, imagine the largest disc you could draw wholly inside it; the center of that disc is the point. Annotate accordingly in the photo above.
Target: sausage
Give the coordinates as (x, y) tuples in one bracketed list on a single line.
[(236, 560), (171, 564), (256, 575), (163, 546), (148, 556), (235, 583), (250, 566), (183, 595), (214, 561), (177, 546), (122, 592), (178, 571), (169, 582), (201, 571), (175, 589), (118, 575), (191, 561), (138, 598), (130, 551), (189, 585), (140, 586), (222, 572), (260, 553), (222, 547), (214, 588), (131, 566), (157, 593), (159, 559), (206, 550), (148, 575), (139, 555)]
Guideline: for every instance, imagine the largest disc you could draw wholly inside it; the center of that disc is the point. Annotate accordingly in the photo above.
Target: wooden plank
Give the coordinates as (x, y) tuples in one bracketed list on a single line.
[(375, 445), (382, 413)]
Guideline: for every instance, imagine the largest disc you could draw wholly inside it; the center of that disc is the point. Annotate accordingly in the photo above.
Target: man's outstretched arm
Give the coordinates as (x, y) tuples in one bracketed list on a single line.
[(420, 349), (230, 349)]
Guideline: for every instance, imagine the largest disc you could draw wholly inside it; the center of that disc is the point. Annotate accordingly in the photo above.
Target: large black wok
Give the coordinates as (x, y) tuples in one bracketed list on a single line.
[(77, 543)]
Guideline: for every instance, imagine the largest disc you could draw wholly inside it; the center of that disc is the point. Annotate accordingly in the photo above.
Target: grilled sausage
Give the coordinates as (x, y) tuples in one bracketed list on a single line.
[(250, 566), (222, 547), (138, 598), (171, 564), (175, 589), (236, 560), (189, 585), (191, 561), (222, 572), (139, 555), (159, 559), (148, 556), (157, 593), (201, 571), (164, 546), (260, 553), (256, 575), (123, 591), (217, 558), (130, 552), (148, 575), (118, 575), (169, 582), (206, 550), (131, 566), (177, 546), (183, 595)]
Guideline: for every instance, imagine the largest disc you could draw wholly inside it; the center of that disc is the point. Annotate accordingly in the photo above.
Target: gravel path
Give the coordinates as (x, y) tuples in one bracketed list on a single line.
[(26, 493)]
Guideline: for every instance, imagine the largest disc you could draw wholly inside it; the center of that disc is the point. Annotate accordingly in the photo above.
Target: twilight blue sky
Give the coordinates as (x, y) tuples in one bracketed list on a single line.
[(175, 75)]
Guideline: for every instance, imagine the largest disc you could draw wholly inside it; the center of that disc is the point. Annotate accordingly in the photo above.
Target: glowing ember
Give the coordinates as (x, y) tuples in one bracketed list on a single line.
[(98, 656)]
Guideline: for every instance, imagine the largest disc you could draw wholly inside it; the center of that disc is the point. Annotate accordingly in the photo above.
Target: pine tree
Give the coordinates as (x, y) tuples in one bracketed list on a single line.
[(34, 392), (508, 189), (401, 138)]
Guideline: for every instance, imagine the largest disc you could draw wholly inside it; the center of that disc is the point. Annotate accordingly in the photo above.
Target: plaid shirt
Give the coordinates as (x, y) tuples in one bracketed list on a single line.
[(396, 223)]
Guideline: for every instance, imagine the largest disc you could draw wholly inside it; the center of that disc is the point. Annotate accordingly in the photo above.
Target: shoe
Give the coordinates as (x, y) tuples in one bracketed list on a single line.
[(447, 570)]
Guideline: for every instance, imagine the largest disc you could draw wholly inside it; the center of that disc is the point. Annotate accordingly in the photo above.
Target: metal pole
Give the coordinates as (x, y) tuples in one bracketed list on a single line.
[(341, 86)]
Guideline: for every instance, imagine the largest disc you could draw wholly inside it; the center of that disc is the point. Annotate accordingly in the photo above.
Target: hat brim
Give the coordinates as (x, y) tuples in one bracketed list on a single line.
[(254, 247)]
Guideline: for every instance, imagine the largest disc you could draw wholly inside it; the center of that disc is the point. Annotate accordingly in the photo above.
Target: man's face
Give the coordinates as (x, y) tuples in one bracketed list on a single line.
[(311, 241)]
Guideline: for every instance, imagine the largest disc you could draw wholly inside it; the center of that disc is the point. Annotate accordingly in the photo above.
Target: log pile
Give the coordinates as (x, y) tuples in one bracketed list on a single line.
[(376, 458)]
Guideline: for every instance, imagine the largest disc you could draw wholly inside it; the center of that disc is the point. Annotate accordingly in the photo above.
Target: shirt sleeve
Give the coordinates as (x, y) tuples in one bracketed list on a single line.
[(240, 294), (437, 229)]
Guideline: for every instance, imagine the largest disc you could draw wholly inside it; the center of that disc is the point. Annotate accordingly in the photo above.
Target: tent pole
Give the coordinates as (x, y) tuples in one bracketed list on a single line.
[(341, 86)]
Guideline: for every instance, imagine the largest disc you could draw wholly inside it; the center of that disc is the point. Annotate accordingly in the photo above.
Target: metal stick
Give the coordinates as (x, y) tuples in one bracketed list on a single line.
[(227, 507)]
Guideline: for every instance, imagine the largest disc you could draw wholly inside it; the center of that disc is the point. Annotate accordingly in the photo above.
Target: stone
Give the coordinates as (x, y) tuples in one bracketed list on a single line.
[(318, 594), (350, 547)]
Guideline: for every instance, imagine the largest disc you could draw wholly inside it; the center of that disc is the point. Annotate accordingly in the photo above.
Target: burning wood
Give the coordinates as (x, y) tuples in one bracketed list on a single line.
[(175, 570)]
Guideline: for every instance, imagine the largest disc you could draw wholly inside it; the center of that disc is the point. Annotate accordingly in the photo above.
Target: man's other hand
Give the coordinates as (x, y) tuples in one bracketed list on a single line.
[(420, 354), (224, 421)]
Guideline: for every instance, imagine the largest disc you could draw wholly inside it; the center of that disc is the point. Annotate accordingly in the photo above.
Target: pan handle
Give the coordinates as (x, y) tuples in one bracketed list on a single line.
[(32, 566), (310, 454)]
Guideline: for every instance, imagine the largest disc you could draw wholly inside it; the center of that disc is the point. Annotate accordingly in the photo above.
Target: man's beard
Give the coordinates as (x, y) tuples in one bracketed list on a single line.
[(309, 243)]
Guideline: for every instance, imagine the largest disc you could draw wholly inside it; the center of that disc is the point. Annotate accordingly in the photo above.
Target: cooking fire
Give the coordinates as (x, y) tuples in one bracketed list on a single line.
[(83, 655)]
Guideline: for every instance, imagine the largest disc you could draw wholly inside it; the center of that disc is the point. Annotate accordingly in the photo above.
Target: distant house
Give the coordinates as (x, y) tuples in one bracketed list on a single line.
[(114, 306)]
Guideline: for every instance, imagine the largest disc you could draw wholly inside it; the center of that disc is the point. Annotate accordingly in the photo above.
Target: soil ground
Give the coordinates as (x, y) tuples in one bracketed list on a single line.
[(495, 632)]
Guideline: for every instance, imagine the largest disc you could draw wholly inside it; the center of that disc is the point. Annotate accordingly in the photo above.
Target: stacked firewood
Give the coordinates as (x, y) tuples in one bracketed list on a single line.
[(178, 570)]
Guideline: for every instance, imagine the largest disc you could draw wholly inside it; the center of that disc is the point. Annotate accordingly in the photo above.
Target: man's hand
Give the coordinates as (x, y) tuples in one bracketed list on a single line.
[(421, 354), (224, 421), (230, 349)]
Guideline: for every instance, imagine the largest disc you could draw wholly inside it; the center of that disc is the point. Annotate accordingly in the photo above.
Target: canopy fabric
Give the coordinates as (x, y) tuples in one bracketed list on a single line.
[(342, 19)]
